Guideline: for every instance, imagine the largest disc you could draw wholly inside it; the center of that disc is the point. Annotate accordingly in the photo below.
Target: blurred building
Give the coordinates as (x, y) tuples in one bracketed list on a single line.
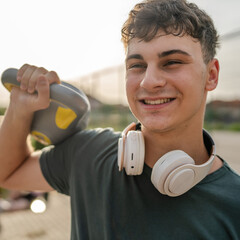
[(225, 111)]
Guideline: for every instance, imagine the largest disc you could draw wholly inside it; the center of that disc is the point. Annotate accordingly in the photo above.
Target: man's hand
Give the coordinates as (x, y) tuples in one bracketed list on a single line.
[(33, 94)]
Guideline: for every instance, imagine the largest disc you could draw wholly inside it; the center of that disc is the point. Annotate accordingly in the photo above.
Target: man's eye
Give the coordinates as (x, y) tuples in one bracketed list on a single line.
[(173, 62), (137, 65)]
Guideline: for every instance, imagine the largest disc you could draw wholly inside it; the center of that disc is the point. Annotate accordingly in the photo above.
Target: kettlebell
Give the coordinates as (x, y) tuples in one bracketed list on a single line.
[(68, 111)]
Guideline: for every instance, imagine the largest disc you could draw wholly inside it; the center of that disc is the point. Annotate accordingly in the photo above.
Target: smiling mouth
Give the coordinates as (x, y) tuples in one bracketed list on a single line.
[(158, 101)]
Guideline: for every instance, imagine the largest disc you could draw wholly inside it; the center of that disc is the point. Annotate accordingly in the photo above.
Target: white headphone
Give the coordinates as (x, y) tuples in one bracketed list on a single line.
[(173, 174)]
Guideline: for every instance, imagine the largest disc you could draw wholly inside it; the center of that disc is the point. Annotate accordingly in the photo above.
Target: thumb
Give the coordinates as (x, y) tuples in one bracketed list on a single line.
[(42, 88)]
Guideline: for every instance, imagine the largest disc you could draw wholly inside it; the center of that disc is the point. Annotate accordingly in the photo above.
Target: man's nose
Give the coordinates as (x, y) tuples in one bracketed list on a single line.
[(153, 78)]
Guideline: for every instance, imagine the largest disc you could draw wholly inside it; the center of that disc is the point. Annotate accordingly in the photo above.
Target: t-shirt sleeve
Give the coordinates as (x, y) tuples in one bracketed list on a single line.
[(57, 161), (55, 165)]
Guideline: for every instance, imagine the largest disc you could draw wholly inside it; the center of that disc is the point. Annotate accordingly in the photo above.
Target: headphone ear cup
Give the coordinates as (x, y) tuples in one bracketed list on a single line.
[(134, 153), (164, 167)]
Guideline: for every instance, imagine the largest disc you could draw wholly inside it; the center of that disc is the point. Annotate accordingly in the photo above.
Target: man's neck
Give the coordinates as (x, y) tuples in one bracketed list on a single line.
[(189, 141)]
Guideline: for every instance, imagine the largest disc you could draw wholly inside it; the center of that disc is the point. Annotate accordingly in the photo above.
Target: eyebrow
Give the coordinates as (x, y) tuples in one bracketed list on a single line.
[(134, 56), (173, 51), (160, 55)]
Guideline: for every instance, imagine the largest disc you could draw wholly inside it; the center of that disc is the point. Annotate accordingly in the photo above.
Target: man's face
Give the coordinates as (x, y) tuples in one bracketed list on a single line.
[(166, 82)]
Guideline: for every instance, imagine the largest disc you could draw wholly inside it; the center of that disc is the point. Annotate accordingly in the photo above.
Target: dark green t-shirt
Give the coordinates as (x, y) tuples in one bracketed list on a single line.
[(109, 205)]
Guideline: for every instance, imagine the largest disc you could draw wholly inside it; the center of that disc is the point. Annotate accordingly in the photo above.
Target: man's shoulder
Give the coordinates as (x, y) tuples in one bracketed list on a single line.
[(97, 134)]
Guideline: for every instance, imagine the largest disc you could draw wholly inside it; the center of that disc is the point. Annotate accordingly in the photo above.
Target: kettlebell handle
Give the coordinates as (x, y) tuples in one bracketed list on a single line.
[(68, 111), (62, 93)]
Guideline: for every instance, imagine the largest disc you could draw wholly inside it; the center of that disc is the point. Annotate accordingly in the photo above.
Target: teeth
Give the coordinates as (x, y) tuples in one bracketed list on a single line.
[(159, 101)]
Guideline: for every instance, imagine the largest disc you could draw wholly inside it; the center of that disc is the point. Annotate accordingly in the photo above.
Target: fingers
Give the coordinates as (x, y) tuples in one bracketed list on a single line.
[(28, 76), (53, 77), (33, 77)]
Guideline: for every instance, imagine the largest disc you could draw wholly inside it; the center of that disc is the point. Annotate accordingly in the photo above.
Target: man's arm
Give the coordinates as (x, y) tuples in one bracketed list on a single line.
[(20, 167)]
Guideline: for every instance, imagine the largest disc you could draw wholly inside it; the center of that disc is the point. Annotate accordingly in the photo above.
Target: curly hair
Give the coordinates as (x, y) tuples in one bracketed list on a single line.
[(176, 17)]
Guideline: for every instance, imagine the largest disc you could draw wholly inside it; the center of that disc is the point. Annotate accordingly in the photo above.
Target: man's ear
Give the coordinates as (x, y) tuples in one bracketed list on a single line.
[(213, 73)]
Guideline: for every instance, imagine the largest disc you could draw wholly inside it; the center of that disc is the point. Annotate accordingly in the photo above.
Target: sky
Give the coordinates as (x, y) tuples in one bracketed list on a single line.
[(76, 37)]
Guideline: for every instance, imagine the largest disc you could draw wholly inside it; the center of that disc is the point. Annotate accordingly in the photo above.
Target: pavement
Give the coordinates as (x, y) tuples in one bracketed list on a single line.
[(54, 224)]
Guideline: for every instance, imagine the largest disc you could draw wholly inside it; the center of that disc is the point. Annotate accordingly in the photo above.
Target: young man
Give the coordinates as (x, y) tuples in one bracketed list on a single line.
[(170, 67)]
